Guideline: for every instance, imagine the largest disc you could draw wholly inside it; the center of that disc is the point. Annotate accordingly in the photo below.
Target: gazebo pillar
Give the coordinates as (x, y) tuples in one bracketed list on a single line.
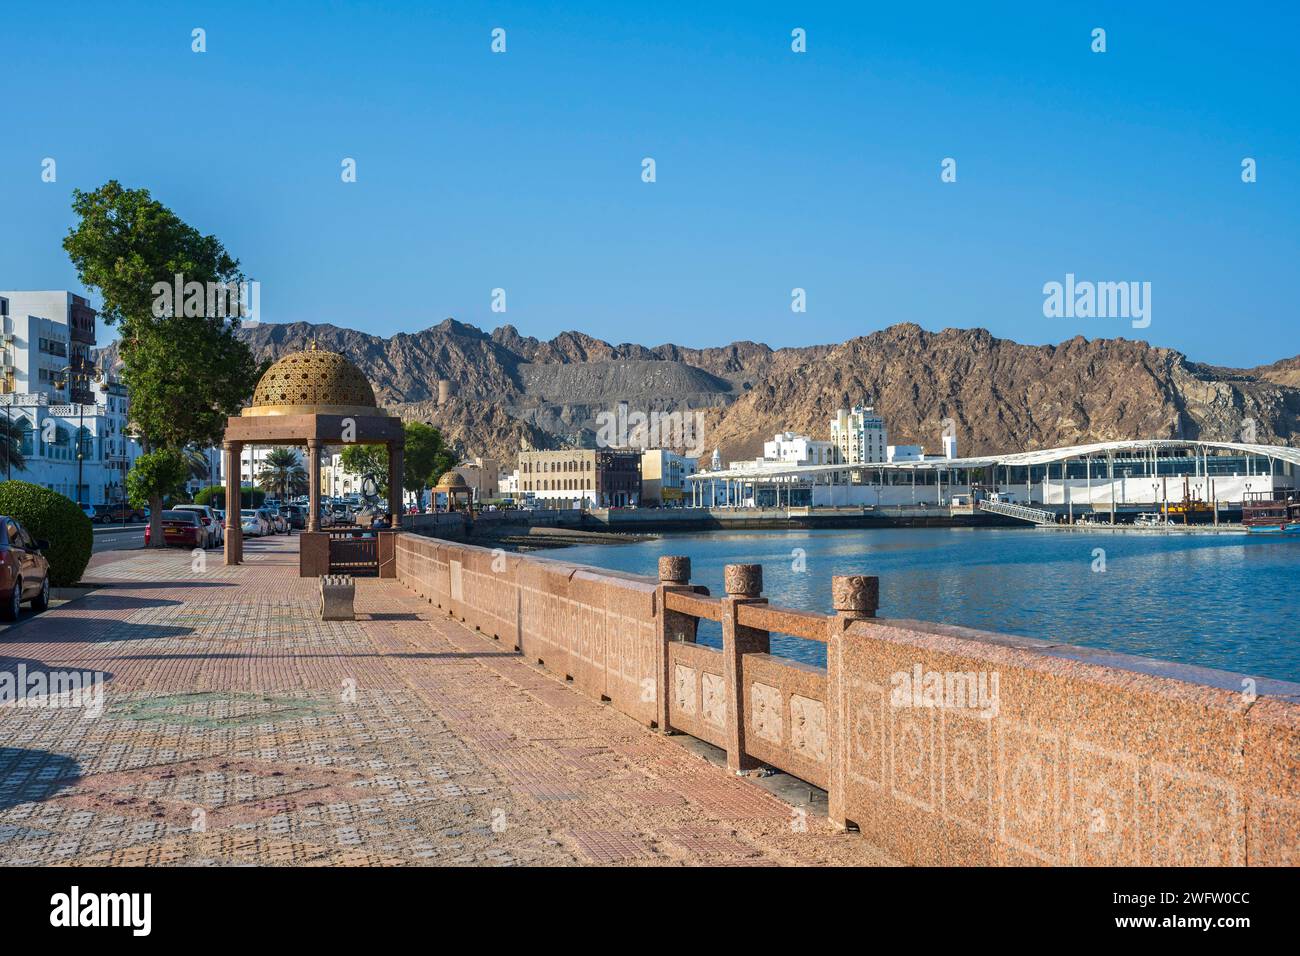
[(396, 466), (234, 451), (313, 484)]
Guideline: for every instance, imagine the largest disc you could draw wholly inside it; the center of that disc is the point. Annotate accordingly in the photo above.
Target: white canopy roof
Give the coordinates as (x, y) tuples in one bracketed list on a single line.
[(1044, 456)]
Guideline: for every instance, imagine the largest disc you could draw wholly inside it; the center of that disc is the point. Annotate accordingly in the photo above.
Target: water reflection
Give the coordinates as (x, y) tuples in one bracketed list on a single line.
[(1217, 601)]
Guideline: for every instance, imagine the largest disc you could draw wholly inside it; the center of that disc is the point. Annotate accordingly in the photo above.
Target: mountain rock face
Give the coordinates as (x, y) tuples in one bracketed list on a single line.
[(510, 391)]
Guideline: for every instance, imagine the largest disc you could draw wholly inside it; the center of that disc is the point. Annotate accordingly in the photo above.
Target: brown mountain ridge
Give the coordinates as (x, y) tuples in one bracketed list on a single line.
[(511, 391)]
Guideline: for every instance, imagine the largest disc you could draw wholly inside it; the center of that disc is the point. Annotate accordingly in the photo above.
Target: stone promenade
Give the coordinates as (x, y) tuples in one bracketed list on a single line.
[(238, 728)]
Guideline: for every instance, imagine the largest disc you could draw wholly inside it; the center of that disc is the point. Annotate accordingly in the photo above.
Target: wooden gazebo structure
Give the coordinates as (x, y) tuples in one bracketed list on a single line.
[(313, 398)]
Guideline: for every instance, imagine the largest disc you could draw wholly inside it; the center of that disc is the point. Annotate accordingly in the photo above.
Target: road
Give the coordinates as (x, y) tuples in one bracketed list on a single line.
[(118, 538)]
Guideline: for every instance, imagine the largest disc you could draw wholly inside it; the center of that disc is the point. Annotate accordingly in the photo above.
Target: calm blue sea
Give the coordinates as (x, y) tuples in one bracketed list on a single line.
[(1225, 601)]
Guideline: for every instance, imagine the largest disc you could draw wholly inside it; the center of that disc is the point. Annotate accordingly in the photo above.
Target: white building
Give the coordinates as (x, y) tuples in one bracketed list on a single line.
[(74, 429), (793, 449), (663, 477), (859, 435), (895, 453)]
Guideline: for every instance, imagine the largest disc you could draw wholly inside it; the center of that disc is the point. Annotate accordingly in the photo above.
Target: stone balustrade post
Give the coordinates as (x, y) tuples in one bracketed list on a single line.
[(674, 575), (854, 597), (744, 585)]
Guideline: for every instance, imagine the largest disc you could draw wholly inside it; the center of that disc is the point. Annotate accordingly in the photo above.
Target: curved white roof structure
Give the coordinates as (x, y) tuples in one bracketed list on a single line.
[(1042, 457)]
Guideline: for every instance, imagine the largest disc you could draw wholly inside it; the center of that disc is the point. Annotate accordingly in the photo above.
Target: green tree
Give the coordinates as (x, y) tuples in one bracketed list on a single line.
[(367, 460), (155, 475), (56, 518), (426, 457), (282, 473), (186, 374), (424, 460)]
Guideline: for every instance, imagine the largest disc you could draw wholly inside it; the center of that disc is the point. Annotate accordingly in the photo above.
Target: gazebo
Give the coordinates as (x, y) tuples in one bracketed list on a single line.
[(453, 485), (313, 398)]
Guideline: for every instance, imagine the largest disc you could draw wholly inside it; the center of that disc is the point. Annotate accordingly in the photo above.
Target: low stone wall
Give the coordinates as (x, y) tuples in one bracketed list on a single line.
[(943, 745)]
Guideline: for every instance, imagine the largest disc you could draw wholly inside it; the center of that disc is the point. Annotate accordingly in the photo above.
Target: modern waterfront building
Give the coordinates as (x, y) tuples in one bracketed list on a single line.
[(663, 477), (581, 477), (1100, 476), (859, 435)]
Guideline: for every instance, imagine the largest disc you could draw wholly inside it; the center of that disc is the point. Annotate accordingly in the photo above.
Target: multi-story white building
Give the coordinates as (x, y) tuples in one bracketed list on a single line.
[(859, 435), (793, 449), (73, 426), (663, 477), (44, 334)]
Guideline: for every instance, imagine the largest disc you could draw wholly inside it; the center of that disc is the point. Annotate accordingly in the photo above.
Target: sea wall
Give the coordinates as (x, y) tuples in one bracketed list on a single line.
[(942, 745)]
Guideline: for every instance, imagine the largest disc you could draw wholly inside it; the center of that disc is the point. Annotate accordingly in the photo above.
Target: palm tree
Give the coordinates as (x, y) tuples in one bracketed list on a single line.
[(282, 473), (11, 445), (197, 462)]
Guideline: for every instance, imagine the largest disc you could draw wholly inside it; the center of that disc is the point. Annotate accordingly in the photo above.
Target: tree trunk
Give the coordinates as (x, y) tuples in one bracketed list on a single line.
[(156, 538)]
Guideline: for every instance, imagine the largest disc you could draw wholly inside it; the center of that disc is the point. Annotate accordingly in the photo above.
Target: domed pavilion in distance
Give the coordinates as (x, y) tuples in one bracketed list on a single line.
[(312, 399)]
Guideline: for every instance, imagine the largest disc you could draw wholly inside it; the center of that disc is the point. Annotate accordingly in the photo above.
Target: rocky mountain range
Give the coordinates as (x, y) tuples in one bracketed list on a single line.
[(509, 391)]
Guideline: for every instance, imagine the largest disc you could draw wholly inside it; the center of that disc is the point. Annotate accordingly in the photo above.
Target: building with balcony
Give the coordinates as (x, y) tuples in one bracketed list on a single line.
[(43, 335), (859, 435)]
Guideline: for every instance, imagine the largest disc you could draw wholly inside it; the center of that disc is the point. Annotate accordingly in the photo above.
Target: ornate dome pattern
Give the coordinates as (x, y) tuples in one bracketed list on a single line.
[(314, 378), (452, 481)]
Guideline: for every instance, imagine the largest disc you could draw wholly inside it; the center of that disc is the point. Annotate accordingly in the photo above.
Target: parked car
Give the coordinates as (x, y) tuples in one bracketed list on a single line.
[(297, 515), (90, 513), (253, 523), (24, 572), (212, 529), (180, 528), (279, 524), (122, 513)]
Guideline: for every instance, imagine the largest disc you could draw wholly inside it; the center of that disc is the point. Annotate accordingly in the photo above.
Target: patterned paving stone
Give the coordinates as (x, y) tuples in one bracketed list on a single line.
[(238, 728)]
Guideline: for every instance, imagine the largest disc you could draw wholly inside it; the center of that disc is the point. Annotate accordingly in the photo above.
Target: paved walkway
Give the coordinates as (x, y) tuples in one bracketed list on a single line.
[(239, 728)]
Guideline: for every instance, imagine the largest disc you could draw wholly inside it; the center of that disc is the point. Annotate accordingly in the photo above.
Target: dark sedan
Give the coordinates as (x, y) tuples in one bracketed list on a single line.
[(24, 572)]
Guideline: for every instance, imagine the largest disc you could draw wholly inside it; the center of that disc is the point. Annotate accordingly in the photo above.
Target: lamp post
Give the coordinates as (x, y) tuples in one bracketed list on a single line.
[(79, 371)]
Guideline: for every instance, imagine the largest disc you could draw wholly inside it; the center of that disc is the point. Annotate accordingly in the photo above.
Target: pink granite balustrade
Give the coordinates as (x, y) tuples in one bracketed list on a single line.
[(942, 745)]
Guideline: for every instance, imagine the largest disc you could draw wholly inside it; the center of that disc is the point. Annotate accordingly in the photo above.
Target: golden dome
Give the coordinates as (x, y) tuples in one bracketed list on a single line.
[(451, 481), (315, 382)]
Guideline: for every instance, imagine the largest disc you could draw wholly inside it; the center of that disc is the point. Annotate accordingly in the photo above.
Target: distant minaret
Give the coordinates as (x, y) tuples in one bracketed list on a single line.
[(444, 391), (716, 463)]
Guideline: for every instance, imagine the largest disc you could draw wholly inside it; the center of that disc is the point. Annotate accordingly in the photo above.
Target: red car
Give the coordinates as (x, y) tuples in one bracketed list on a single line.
[(179, 527), (24, 572)]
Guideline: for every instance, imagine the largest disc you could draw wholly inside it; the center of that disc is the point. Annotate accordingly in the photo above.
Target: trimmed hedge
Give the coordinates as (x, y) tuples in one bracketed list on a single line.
[(56, 518), (215, 495)]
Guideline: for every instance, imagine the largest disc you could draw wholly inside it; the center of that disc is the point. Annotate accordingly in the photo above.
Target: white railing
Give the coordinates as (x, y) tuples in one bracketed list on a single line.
[(1032, 515)]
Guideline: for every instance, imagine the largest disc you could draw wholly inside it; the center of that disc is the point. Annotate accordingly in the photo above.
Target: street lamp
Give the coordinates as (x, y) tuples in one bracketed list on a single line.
[(79, 371)]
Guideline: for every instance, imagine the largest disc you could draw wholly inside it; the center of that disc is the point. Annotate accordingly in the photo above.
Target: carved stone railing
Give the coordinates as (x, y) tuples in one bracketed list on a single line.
[(943, 745)]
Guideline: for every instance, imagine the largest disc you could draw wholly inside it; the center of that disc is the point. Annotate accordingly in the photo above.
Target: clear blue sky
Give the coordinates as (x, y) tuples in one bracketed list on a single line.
[(775, 170)]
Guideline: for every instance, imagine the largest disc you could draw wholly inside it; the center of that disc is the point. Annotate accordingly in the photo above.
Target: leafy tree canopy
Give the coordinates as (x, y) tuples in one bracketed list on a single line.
[(155, 475), (186, 374), (424, 460)]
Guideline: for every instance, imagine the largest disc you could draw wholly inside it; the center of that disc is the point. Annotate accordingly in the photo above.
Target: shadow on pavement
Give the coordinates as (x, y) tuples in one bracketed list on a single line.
[(28, 776)]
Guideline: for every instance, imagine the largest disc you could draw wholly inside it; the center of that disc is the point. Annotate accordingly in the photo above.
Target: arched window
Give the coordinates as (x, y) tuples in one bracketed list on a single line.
[(28, 443)]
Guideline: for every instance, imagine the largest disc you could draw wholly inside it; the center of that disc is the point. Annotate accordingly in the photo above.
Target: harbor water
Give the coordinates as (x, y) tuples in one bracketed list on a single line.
[(1222, 601)]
